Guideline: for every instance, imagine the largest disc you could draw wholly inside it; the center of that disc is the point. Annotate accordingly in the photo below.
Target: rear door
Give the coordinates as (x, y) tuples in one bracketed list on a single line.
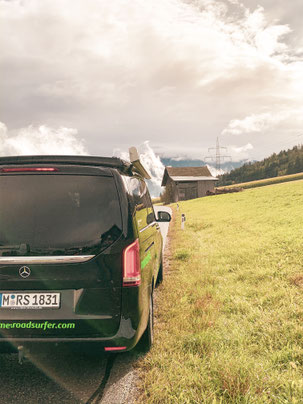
[(65, 228)]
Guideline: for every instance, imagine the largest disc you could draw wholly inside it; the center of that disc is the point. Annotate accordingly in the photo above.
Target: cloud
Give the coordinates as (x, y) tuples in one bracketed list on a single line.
[(252, 123), (44, 140), (265, 122), (176, 72), (180, 158), (241, 149), (151, 162), (215, 172), (40, 140)]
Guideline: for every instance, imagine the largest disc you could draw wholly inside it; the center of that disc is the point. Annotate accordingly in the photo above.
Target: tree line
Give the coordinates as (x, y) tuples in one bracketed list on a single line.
[(284, 163)]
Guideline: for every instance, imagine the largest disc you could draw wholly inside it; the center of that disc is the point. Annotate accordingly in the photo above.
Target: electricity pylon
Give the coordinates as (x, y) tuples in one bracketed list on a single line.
[(218, 155)]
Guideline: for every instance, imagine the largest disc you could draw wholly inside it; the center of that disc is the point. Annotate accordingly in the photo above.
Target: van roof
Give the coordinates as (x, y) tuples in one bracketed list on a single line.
[(113, 162)]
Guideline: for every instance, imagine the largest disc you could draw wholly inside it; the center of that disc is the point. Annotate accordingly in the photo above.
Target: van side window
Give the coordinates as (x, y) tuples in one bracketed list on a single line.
[(136, 190), (148, 203), (138, 194), (140, 197)]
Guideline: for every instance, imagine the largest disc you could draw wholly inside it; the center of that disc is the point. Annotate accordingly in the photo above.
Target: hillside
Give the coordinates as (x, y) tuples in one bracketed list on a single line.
[(283, 163), (229, 313), (264, 182)]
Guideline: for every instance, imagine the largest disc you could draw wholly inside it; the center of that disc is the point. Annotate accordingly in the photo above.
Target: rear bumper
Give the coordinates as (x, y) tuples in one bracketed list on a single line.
[(127, 336), (77, 344), (130, 327)]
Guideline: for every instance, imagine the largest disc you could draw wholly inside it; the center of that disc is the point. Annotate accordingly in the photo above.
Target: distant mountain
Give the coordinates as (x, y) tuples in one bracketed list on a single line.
[(286, 162), (175, 162)]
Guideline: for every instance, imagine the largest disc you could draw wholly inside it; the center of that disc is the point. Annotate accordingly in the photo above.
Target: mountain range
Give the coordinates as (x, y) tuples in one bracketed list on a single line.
[(225, 166)]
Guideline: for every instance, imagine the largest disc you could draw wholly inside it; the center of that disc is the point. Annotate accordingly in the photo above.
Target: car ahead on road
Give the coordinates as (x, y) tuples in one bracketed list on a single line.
[(80, 253)]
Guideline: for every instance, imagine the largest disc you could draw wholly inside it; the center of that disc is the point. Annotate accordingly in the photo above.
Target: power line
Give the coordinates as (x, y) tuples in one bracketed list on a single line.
[(218, 156), (291, 141)]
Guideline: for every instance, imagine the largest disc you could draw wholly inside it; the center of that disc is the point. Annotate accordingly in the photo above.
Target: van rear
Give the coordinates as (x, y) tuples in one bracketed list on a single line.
[(64, 230)]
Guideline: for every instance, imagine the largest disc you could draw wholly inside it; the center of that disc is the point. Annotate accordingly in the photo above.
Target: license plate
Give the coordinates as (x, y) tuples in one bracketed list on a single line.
[(29, 300)]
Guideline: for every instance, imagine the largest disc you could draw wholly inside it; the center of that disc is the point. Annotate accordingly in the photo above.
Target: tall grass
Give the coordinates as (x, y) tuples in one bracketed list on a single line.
[(229, 313)]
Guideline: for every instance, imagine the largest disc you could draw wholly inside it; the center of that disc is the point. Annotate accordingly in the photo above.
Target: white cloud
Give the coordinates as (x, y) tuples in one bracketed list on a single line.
[(40, 140), (44, 140), (266, 122), (252, 123), (167, 70), (214, 171), (151, 162), (180, 158), (241, 149)]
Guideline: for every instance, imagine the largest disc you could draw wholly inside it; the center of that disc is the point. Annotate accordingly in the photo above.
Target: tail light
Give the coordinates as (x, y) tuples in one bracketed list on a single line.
[(131, 265), (28, 169), (114, 348)]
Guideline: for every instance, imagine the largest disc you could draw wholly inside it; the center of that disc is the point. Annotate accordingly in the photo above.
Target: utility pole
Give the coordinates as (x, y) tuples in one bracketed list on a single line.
[(218, 155)]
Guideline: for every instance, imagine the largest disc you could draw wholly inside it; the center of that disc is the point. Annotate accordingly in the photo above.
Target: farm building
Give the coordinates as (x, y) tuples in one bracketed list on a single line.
[(184, 183)]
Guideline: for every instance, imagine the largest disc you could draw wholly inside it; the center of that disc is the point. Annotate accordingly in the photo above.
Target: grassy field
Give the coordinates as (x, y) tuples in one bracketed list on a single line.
[(266, 181), (230, 311), (156, 200)]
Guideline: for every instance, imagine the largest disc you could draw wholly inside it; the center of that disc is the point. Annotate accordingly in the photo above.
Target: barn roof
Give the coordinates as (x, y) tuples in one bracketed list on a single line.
[(185, 178), (187, 174)]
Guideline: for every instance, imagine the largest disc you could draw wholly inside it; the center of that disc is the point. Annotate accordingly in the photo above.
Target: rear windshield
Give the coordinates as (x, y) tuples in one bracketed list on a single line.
[(57, 214)]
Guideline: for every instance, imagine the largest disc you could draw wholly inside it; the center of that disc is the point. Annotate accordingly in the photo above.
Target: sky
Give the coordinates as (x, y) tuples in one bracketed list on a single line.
[(168, 76)]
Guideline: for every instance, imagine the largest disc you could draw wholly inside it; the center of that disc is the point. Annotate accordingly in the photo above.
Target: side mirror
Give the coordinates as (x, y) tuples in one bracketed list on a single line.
[(163, 216)]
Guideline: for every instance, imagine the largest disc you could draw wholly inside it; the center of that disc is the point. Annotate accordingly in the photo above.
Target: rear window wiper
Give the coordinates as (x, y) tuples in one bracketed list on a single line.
[(64, 251)]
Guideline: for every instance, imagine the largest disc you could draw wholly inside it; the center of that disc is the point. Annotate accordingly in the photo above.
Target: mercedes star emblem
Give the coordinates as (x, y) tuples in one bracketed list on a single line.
[(24, 272)]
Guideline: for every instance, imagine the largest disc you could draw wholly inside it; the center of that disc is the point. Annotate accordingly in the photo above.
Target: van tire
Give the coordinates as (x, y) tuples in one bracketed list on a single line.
[(160, 274), (148, 335)]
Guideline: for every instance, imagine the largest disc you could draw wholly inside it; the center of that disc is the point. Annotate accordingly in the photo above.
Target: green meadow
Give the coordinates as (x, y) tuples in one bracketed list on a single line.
[(229, 314)]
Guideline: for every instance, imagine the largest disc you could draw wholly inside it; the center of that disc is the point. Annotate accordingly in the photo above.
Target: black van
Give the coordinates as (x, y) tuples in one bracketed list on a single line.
[(80, 253)]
